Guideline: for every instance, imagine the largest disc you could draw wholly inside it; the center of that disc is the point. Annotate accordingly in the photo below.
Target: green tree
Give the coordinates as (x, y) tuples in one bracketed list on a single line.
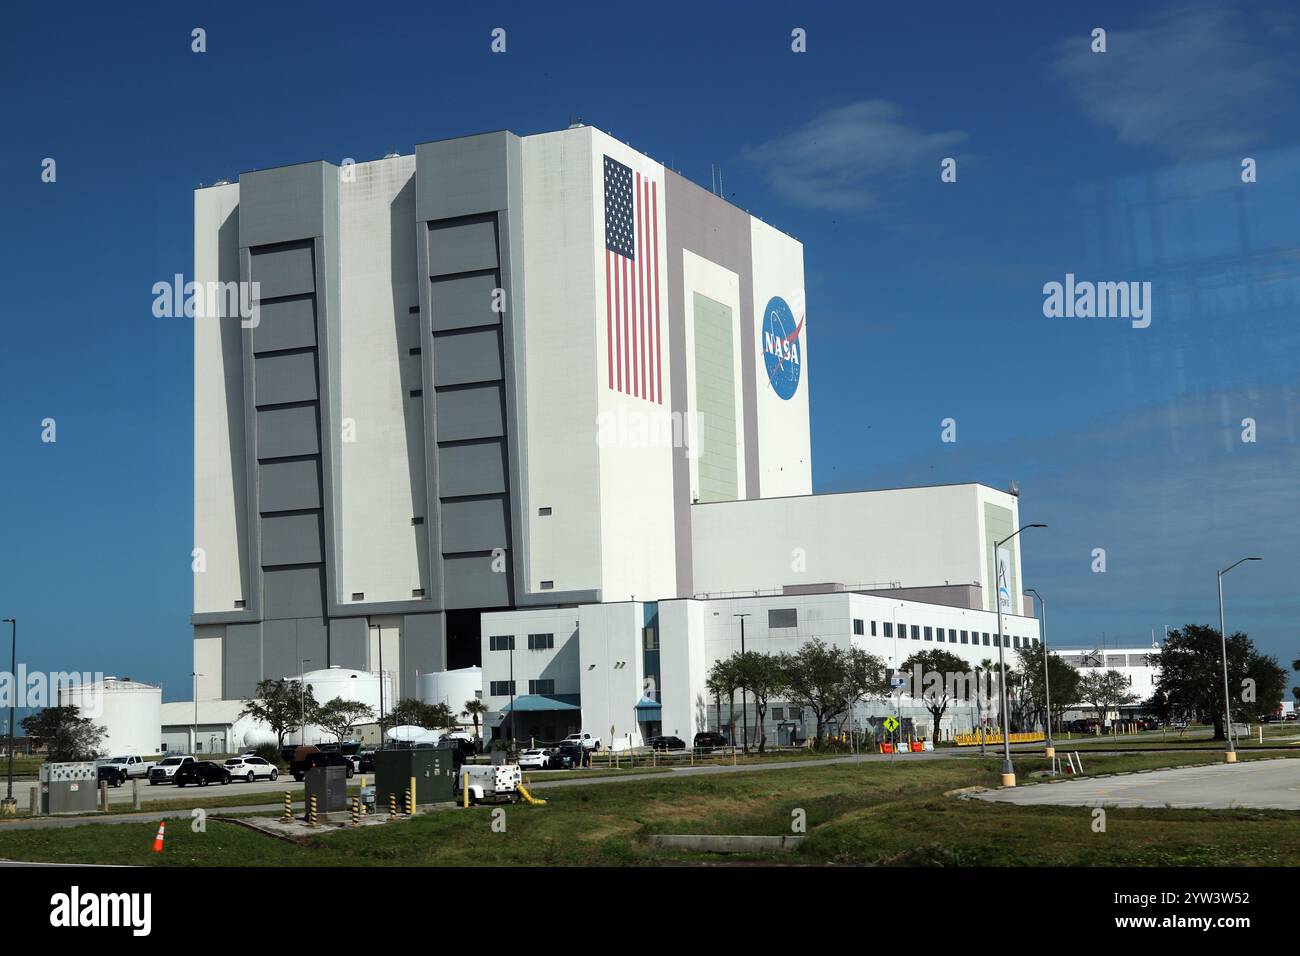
[(474, 710), (1191, 676), (415, 713), (937, 678), (723, 677), (64, 733), (339, 716), (828, 680), (762, 676), (1105, 690), (1064, 685), (283, 705), (715, 685)]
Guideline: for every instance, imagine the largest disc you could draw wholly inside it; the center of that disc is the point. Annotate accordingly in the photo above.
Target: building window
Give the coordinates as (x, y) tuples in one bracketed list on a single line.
[(418, 519), (541, 642), (873, 628), (501, 642), (541, 687), (239, 603), (889, 629), (502, 688), (783, 617), (1016, 640), (778, 713), (415, 350), (986, 638), (417, 392), (651, 638), (929, 634), (796, 713), (963, 638), (916, 632), (859, 627)]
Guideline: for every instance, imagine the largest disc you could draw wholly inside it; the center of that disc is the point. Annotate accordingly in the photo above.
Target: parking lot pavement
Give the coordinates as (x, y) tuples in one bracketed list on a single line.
[(1256, 784)]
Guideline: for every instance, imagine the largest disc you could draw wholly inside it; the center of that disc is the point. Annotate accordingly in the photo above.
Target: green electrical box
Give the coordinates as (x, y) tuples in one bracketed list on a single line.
[(434, 771)]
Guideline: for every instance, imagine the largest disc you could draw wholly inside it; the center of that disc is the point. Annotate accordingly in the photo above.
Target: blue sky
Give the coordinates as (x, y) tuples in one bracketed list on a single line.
[(924, 298)]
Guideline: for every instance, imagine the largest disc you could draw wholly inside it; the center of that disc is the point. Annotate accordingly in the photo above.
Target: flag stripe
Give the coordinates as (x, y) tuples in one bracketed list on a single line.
[(659, 357), (609, 325)]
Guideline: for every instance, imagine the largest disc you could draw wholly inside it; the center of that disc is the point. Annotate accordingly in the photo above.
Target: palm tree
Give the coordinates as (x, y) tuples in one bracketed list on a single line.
[(474, 709)]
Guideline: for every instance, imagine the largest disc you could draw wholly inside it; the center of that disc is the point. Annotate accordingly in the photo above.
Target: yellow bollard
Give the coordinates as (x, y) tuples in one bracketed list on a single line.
[(392, 804), (413, 795), (464, 777), (733, 755), (356, 811), (311, 813), (288, 807)]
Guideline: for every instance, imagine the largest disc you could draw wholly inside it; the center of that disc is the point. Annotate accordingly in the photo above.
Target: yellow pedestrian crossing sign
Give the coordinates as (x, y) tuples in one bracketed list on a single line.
[(891, 724)]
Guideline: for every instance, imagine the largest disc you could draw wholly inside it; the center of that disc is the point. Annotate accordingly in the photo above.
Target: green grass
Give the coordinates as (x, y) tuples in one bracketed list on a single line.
[(879, 812)]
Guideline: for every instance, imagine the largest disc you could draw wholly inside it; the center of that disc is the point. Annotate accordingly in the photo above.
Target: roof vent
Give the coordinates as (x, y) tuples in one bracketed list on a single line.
[(392, 155)]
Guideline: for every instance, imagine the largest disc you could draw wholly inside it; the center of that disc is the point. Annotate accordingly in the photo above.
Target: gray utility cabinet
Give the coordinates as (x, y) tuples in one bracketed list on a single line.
[(433, 768), (69, 788), (329, 785)]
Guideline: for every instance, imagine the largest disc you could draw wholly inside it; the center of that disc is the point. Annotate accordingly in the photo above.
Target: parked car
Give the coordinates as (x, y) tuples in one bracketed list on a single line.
[(710, 738), (130, 766), (1147, 723), (585, 741), (537, 759), (202, 772), (1086, 725), (462, 744), (319, 758), (575, 756), (563, 758), (366, 761), (164, 771), (250, 768), (111, 773), (667, 743)]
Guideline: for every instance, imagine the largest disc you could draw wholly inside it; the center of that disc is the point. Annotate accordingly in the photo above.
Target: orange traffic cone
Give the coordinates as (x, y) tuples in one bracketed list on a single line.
[(158, 840)]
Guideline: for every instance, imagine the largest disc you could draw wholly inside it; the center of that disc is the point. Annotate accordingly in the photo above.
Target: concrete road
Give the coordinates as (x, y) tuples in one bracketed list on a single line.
[(1256, 784)]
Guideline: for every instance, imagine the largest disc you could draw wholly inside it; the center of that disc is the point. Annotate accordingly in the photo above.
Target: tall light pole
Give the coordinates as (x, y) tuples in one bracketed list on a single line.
[(1050, 749), (1230, 752), (1008, 770), (744, 691), (9, 807), (195, 742)]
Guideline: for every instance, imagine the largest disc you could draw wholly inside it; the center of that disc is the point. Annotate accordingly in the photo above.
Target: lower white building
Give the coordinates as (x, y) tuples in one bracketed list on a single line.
[(632, 670), (1140, 667)]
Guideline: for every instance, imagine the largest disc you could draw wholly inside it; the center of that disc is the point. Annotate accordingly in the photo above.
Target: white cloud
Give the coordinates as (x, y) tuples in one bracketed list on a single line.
[(843, 158), (1196, 82)]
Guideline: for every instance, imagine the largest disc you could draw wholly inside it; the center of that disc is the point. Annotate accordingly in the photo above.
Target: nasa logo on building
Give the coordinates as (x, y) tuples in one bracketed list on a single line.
[(780, 345)]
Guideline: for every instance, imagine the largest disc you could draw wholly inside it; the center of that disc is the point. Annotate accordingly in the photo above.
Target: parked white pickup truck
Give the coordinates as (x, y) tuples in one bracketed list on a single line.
[(585, 741), (129, 766)]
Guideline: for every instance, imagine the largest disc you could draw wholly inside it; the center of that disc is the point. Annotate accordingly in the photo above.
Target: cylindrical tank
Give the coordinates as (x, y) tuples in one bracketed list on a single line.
[(130, 711), (452, 688), (362, 686)]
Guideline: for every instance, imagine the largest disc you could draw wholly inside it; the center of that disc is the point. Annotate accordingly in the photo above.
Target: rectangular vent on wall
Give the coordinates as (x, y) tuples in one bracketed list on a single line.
[(417, 592), (358, 595), (418, 519), (543, 511)]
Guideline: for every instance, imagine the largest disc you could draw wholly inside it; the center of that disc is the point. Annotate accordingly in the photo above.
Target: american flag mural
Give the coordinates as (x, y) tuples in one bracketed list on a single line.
[(632, 283)]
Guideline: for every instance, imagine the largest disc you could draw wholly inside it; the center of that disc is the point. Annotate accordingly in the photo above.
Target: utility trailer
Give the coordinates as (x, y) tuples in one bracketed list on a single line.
[(488, 784)]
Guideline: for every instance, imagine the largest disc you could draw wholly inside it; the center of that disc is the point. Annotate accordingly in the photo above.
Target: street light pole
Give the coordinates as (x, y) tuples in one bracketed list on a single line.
[(1050, 749), (195, 742), (9, 806), (1008, 769), (744, 691), (1230, 751)]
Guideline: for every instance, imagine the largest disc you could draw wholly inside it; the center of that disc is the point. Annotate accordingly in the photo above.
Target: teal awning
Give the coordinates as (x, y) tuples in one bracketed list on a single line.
[(529, 703), (648, 709)]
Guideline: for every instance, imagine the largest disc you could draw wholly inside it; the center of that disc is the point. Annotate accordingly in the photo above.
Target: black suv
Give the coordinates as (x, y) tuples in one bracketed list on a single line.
[(667, 743), (202, 772), (114, 775), (319, 758), (710, 738)]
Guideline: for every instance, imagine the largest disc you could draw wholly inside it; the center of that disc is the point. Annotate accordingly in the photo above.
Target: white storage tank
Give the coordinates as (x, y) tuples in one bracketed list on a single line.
[(131, 712), (452, 688), (362, 686)]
